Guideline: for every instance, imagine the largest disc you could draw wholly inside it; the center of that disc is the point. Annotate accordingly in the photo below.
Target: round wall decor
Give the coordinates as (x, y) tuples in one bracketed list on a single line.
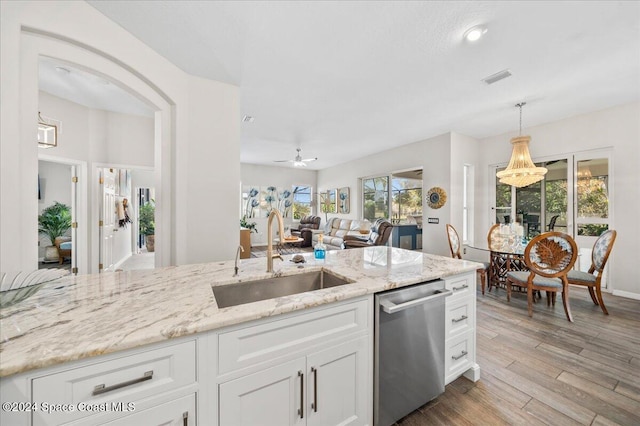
[(436, 197)]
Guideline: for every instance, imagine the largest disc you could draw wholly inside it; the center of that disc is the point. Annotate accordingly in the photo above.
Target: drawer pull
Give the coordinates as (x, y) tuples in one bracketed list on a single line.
[(462, 287), (463, 354), (462, 318), (185, 418), (301, 409), (102, 388)]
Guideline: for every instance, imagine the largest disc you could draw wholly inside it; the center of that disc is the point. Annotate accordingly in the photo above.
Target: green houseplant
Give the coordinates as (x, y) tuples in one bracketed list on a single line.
[(147, 224), (54, 222), (244, 223)]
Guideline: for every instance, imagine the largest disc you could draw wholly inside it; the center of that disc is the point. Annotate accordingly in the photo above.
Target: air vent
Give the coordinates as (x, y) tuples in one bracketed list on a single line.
[(497, 76)]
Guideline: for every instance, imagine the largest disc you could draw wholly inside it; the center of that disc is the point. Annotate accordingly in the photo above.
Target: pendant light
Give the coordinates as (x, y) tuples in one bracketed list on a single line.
[(521, 171)]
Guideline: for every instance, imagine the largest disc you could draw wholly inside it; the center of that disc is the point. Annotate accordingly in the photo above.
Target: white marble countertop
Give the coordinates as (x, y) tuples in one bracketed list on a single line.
[(82, 316)]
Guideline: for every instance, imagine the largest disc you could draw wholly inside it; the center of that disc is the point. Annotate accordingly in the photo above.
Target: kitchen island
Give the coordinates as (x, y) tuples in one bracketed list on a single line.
[(84, 325)]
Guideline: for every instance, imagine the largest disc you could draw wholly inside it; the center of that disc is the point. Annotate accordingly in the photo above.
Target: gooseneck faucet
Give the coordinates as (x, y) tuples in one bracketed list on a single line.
[(270, 255), (240, 248)]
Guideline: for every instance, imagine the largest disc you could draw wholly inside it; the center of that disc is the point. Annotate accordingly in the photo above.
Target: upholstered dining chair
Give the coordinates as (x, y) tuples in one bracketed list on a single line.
[(549, 257), (455, 246), (599, 256)]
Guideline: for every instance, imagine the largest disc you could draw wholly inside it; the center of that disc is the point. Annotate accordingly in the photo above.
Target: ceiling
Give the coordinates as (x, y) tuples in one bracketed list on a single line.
[(86, 88), (345, 79)]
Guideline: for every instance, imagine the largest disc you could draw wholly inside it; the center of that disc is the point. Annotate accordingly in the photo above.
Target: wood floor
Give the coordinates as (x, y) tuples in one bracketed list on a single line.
[(546, 370)]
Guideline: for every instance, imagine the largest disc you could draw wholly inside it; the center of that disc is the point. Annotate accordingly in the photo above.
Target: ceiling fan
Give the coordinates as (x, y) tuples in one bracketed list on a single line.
[(297, 161)]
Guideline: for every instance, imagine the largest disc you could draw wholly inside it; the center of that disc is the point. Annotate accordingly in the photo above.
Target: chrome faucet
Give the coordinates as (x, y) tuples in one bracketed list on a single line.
[(240, 248), (270, 255)]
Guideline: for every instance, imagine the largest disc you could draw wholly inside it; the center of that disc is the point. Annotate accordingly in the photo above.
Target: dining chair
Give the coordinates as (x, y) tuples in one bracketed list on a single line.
[(599, 256), (552, 222), (455, 246), (549, 257)]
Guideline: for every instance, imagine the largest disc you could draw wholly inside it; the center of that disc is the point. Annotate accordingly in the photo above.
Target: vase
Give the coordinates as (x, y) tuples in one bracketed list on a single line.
[(151, 243)]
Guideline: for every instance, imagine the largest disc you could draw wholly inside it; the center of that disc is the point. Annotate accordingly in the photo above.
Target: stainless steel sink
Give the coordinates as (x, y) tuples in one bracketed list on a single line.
[(270, 288)]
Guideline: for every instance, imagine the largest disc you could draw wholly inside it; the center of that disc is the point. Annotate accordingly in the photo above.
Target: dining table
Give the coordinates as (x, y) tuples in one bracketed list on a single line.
[(502, 259)]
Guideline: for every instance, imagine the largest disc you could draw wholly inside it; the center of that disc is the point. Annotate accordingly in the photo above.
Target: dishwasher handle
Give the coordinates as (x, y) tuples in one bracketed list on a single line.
[(391, 308)]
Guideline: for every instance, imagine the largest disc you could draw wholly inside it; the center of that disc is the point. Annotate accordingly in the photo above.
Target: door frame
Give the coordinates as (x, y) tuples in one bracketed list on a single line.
[(79, 211)]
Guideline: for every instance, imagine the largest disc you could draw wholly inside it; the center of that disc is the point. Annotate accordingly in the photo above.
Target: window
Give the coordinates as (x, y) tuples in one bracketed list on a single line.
[(539, 207), (467, 183), (375, 198), (592, 196), (301, 201), (406, 198)]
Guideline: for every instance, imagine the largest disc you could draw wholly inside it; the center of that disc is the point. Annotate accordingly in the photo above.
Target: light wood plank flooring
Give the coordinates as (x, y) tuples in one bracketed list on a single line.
[(546, 370)]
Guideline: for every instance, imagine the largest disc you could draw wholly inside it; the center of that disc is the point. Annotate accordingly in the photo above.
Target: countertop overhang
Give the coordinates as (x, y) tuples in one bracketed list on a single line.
[(87, 315)]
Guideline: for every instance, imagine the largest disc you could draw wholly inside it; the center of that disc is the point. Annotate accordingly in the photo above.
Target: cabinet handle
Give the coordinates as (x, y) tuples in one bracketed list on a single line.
[(314, 405), (463, 354), (185, 418), (462, 287), (462, 318), (301, 409), (102, 388)]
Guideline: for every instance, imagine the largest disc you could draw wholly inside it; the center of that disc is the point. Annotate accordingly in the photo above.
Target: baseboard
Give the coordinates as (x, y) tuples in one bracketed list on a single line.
[(627, 294), (121, 261)]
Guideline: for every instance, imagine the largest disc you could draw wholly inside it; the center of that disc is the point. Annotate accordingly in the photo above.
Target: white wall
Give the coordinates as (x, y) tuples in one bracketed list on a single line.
[(77, 33), (212, 173), (281, 177), (432, 155), (618, 128), (55, 185)]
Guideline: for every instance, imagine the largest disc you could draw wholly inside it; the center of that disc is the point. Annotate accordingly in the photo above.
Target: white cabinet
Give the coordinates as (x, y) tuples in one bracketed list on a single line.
[(328, 387), (337, 385), (460, 329), (308, 368), (271, 397)]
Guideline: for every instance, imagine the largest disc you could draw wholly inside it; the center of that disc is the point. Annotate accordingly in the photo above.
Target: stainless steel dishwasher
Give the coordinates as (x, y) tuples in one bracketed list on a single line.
[(409, 349)]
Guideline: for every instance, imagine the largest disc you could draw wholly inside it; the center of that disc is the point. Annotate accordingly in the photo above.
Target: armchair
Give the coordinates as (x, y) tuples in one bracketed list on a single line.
[(379, 235), (304, 231), (63, 244)]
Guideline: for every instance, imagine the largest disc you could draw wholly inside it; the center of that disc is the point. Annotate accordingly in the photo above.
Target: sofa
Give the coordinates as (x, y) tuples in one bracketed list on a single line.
[(336, 229), (379, 235), (305, 228)]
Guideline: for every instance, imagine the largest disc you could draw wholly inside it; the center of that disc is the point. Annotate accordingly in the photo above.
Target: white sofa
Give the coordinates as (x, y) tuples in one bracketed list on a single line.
[(336, 228)]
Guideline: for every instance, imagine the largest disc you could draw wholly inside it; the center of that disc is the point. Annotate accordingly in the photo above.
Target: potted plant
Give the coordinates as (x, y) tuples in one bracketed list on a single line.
[(147, 224), (244, 223), (54, 222)]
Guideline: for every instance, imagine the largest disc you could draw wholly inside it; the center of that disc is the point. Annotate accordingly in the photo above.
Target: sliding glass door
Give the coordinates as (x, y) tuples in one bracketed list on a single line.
[(575, 198), (540, 207)]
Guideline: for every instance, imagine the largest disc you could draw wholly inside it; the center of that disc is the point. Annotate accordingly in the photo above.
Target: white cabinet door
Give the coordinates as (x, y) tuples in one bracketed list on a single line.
[(337, 387), (271, 397)]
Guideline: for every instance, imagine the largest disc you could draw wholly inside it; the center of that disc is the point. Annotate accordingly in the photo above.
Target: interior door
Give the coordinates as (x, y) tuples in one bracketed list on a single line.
[(108, 219), (74, 220)]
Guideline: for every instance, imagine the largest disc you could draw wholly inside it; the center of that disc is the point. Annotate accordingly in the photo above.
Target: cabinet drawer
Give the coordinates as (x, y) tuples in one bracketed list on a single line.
[(461, 286), (459, 317), (255, 344), (181, 411), (126, 379), (459, 355)]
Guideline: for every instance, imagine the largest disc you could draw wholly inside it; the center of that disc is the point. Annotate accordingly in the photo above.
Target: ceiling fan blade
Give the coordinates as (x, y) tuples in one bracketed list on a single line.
[(310, 159), (283, 161)]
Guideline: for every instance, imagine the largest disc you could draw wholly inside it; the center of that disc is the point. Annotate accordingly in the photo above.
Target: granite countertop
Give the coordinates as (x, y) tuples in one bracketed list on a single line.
[(81, 316)]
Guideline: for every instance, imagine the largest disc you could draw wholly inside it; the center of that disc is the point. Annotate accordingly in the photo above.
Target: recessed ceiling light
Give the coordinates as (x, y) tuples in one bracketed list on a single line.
[(474, 33), (63, 70), (247, 119)]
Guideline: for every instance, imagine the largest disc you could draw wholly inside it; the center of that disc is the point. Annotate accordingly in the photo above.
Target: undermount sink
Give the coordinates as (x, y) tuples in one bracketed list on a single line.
[(270, 288)]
